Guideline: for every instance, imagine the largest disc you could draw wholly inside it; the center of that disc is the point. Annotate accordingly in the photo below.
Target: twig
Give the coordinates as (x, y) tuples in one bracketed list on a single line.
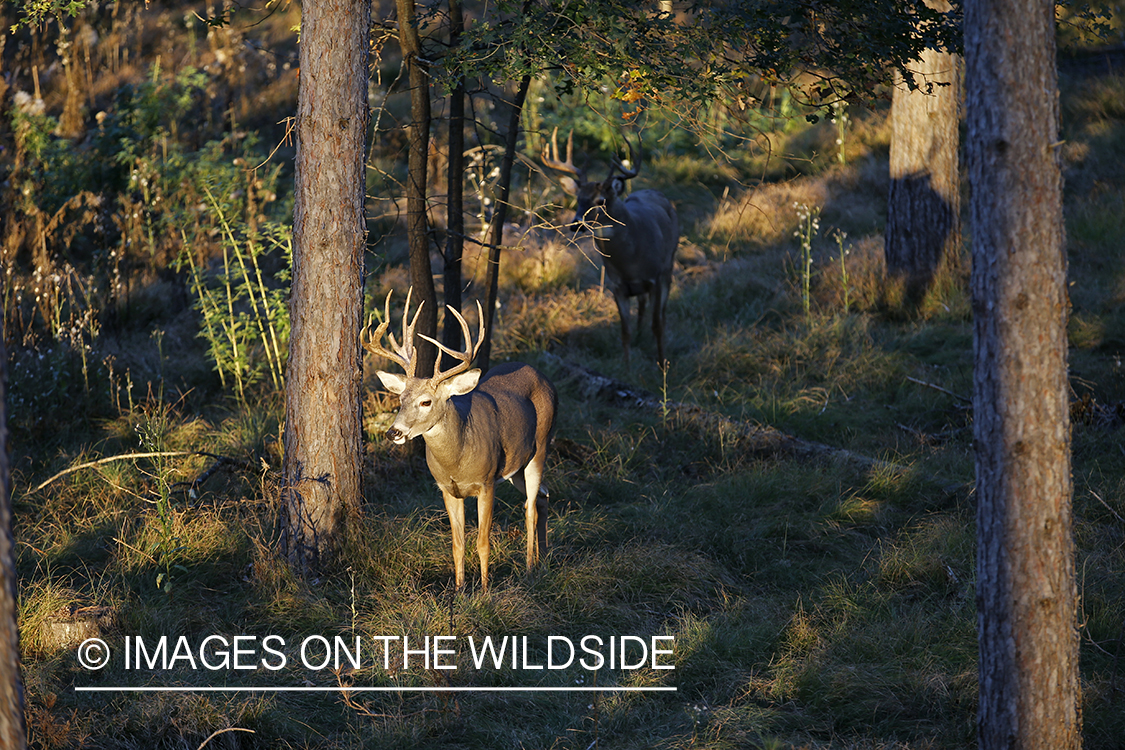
[(486, 245), (138, 551), (939, 388), (217, 732), (363, 710), (1106, 505), (290, 126), (220, 462), (921, 436), (110, 459)]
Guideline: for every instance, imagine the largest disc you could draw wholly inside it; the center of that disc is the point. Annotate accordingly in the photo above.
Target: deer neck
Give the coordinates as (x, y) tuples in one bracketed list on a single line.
[(615, 236), (614, 223), (447, 439)]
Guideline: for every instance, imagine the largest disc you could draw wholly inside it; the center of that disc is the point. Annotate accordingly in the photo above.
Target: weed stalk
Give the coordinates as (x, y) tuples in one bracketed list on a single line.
[(808, 224), (840, 237), (840, 117)]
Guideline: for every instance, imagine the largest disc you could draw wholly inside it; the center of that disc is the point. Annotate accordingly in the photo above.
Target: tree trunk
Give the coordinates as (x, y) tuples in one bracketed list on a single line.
[(499, 216), (924, 203), (13, 731), (1026, 592), (72, 122), (417, 229), (323, 442), (455, 216)]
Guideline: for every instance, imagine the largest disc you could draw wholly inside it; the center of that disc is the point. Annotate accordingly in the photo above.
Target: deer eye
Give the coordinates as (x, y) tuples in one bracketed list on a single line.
[(426, 403)]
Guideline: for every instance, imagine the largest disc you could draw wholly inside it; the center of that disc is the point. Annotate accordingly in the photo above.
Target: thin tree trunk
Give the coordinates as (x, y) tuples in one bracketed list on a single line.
[(924, 202), (499, 216), (71, 123), (1026, 591), (323, 440), (417, 229), (455, 216), (13, 731)]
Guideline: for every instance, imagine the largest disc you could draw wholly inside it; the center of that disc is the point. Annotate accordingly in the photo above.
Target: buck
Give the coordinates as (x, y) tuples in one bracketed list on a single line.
[(636, 235), (478, 430)]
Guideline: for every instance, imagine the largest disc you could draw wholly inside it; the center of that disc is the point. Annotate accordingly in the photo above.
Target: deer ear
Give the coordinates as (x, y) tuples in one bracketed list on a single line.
[(569, 185), (461, 384), (617, 185), (393, 383)]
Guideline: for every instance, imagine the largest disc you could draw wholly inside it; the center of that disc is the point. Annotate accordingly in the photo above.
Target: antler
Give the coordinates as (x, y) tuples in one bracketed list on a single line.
[(405, 354), (553, 162), (628, 174), (467, 356)]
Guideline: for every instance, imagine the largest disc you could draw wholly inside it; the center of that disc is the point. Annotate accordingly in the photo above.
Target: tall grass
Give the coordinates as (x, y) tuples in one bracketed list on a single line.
[(244, 321), (814, 603)]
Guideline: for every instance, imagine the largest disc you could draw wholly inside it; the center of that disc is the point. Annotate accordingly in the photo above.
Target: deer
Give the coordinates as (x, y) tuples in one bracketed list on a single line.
[(478, 430), (636, 235)]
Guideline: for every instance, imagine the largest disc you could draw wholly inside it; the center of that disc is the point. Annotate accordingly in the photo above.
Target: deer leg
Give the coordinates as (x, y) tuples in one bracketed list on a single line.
[(542, 498), (535, 507), (534, 493), (622, 300), (455, 508), (484, 530), (659, 302), (641, 312)]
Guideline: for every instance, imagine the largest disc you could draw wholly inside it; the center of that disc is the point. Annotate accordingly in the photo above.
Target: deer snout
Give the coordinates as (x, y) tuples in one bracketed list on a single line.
[(397, 436)]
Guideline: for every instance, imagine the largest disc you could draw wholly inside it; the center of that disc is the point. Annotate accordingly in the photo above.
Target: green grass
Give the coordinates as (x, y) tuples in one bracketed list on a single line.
[(814, 603)]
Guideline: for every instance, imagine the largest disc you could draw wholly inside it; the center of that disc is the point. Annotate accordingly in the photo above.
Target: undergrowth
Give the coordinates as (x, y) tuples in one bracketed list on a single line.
[(812, 602)]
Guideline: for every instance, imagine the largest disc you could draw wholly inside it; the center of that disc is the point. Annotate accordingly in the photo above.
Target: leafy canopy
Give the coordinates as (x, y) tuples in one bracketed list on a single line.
[(708, 49)]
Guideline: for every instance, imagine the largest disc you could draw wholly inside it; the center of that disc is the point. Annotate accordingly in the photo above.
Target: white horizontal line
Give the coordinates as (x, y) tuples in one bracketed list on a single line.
[(323, 689)]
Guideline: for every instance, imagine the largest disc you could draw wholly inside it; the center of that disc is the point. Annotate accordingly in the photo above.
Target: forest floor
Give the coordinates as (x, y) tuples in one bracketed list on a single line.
[(807, 599)]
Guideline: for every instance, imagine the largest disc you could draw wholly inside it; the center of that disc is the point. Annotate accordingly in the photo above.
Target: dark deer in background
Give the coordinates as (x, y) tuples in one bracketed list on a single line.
[(636, 235), (478, 431)]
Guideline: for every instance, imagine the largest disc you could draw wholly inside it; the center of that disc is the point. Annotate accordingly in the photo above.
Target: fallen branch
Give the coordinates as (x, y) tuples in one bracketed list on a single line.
[(758, 438), (957, 396), (217, 732), (219, 461), (111, 459)]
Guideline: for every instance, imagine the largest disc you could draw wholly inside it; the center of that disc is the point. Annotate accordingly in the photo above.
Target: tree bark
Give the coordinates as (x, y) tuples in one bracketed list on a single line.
[(455, 215), (13, 730), (924, 203), (323, 442), (499, 216), (417, 228), (1026, 591)]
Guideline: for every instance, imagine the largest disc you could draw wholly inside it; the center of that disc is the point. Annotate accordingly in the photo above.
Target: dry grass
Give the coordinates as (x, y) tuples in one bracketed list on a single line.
[(862, 284), (813, 604), (765, 215), (533, 261)]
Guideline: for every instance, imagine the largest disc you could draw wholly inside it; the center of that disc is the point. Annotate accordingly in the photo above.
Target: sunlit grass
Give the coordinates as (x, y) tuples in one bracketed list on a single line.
[(815, 602)]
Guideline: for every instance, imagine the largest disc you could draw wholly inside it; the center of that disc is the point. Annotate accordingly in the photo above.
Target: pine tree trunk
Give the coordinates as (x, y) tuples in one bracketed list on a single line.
[(323, 442), (13, 731), (1026, 592), (924, 203), (417, 228)]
